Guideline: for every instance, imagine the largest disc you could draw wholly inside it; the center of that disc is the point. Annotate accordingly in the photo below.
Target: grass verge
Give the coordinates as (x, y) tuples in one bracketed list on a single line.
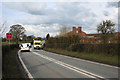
[(106, 59), (10, 66), (20, 42), (5, 43)]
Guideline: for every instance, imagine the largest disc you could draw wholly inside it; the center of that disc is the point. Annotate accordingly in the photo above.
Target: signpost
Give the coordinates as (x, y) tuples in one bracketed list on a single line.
[(9, 36)]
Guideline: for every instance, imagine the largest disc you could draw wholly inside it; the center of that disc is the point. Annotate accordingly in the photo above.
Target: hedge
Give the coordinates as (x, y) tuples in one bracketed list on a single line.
[(72, 44)]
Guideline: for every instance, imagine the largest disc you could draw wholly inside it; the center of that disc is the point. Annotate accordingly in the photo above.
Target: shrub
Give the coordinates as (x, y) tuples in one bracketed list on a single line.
[(72, 43)]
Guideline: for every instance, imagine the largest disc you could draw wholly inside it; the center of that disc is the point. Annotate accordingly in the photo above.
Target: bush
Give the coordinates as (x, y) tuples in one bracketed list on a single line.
[(72, 44), (7, 48), (110, 49), (10, 67)]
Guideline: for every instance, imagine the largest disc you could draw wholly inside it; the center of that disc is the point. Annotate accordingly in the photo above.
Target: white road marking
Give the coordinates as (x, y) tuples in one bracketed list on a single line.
[(27, 71), (86, 61), (89, 74)]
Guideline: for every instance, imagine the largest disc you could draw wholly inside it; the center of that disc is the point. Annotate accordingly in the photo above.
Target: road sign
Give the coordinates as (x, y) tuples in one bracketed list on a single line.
[(8, 35)]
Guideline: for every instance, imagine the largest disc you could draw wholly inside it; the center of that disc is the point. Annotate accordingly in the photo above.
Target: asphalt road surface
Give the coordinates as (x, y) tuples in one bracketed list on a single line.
[(43, 64)]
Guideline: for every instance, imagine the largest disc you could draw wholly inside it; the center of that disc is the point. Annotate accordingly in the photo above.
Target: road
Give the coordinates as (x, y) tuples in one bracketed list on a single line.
[(43, 64)]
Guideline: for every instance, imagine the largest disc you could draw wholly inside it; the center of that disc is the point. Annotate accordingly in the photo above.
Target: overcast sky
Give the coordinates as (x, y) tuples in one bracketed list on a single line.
[(40, 18)]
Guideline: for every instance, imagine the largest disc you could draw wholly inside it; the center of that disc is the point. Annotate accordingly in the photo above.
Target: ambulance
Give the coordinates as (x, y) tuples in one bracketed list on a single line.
[(37, 44)]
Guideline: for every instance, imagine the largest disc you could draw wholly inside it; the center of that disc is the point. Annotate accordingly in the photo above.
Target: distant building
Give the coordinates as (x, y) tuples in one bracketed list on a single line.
[(92, 38), (76, 31), (117, 35)]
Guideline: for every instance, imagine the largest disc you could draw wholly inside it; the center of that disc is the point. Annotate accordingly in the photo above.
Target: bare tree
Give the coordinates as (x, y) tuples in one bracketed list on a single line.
[(3, 28), (17, 31), (106, 28), (63, 30), (30, 37)]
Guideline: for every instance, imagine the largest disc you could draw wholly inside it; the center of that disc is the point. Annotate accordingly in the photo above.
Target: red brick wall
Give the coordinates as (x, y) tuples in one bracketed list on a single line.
[(75, 30)]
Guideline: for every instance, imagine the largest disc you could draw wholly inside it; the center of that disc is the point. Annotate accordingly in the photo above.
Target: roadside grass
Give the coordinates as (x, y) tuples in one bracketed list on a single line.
[(108, 59), (10, 66), (23, 42), (5, 43)]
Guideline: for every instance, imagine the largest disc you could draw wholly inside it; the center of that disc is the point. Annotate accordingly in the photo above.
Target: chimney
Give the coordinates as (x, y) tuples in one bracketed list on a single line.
[(79, 29), (74, 29)]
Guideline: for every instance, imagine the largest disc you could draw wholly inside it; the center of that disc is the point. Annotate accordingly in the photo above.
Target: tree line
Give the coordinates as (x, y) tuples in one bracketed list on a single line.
[(105, 27), (18, 34)]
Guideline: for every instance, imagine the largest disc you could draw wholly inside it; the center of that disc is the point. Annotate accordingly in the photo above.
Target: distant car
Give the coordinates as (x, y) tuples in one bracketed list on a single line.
[(25, 47)]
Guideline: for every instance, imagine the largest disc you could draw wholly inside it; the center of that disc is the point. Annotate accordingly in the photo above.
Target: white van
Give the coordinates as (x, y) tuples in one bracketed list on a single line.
[(25, 47)]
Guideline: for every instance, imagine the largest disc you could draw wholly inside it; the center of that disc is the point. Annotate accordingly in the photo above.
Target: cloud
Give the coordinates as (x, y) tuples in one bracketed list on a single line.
[(28, 7), (113, 4), (63, 13), (42, 30), (119, 4), (43, 18), (0, 14), (60, 1)]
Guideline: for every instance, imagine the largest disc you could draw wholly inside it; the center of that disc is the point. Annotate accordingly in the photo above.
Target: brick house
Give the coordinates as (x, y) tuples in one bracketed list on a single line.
[(92, 38), (76, 31), (86, 38), (117, 35)]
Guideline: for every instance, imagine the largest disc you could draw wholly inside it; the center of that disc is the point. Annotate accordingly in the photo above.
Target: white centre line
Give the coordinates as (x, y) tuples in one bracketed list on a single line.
[(89, 74)]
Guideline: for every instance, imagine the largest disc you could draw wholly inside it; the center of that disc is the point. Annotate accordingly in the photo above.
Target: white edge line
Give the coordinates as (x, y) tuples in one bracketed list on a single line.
[(83, 60), (27, 71)]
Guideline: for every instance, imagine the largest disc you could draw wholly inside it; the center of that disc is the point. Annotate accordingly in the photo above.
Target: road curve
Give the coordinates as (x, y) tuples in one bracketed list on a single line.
[(43, 64)]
